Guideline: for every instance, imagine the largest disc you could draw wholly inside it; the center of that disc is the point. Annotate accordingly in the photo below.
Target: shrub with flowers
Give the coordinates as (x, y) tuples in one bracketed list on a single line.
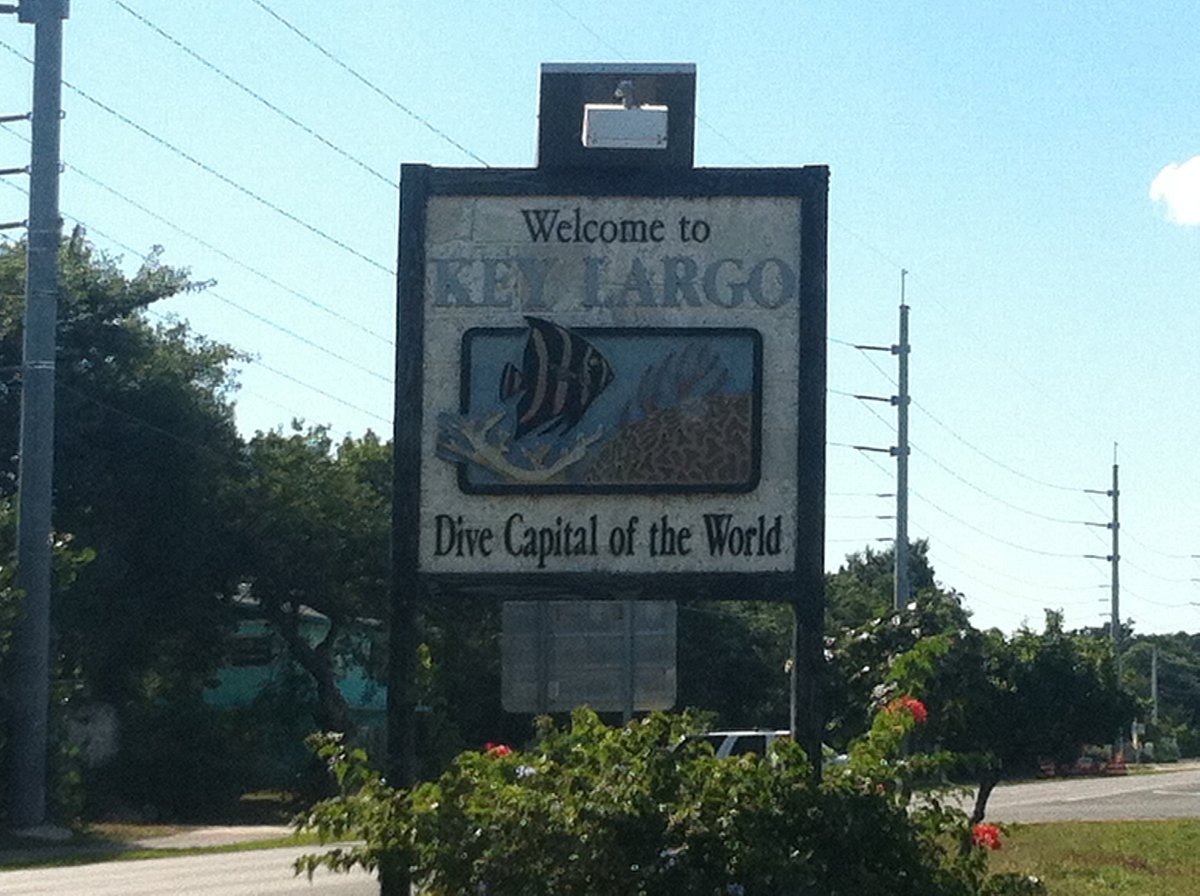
[(986, 836), (912, 706), (594, 810)]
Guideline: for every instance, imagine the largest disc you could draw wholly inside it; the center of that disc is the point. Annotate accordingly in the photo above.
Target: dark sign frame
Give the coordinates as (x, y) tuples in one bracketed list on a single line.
[(808, 184)]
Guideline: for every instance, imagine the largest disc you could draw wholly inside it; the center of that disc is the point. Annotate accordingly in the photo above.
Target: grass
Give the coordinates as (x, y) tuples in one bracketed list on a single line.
[(110, 842), (1121, 858)]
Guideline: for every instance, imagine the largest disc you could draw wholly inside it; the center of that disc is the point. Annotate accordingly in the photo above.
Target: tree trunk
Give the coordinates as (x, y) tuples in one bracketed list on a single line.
[(988, 779), (332, 712), (987, 783)]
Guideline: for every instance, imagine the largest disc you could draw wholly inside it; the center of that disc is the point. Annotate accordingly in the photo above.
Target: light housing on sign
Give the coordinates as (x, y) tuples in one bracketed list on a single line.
[(615, 126)]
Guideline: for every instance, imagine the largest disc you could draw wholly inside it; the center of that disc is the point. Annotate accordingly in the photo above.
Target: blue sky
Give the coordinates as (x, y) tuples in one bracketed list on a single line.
[(1035, 167)]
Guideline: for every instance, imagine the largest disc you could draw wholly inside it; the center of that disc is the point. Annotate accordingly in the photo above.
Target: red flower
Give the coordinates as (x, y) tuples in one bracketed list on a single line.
[(986, 835), (913, 705), (492, 749)]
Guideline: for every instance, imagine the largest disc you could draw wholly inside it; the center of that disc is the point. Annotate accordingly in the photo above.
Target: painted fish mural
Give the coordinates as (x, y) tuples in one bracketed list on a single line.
[(561, 374)]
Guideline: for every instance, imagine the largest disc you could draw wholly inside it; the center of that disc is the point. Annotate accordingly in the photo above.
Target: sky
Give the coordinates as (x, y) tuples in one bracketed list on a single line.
[(1035, 168)]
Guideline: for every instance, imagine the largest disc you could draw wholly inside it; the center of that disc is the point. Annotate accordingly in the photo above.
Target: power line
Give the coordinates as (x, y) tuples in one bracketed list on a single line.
[(258, 362), (997, 498), (215, 249), (366, 82), (325, 350), (996, 538), (943, 544), (1154, 550), (257, 96), (210, 170), (1066, 488)]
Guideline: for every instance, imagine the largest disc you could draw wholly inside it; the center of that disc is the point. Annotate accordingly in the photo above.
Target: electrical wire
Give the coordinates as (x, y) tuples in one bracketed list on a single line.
[(292, 334), (996, 538), (209, 246), (290, 119), (258, 362), (996, 498), (210, 170), (1054, 485), (379, 91)]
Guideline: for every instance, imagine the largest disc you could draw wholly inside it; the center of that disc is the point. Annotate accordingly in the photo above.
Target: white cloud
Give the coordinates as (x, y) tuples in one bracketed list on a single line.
[(1179, 187)]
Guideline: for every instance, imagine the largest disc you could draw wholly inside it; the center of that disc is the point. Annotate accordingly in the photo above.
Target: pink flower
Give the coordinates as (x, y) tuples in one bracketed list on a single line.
[(913, 705), (492, 749), (986, 835)]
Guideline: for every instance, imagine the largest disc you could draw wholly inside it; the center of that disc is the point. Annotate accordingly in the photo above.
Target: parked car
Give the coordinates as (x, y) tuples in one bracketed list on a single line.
[(753, 740)]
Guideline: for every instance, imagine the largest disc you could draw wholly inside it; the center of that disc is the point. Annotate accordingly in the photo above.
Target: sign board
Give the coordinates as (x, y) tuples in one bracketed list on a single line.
[(612, 379), (610, 655)]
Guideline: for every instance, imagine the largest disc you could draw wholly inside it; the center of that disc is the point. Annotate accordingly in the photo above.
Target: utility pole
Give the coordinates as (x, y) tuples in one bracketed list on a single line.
[(1154, 684), (30, 659), (1115, 527), (900, 579), (1113, 558), (901, 589)]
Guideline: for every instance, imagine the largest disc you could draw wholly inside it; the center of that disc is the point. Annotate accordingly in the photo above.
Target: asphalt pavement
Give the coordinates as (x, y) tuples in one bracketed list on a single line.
[(265, 872), (48, 845), (1170, 791)]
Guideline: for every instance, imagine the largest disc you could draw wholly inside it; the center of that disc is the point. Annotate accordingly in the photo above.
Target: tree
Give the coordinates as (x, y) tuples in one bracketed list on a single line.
[(862, 588), (865, 635), (1178, 686), (145, 446), (8, 598), (313, 535), (1004, 705), (732, 661), (144, 439)]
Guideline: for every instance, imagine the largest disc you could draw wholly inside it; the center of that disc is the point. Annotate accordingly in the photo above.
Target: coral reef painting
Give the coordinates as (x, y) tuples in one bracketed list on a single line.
[(606, 410)]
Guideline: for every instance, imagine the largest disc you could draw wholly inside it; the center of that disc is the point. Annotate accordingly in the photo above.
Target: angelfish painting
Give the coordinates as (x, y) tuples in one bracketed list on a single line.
[(561, 374)]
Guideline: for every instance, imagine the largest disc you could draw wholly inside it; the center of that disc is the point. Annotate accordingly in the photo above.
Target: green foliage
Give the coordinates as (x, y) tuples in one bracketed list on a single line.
[(178, 761), (597, 810), (862, 589), (863, 656), (999, 705), (9, 596), (145, 453), (8, 587), (732, 661), (313, 532), (64, 778), (1178, 687), (145, 446), (1064, 694)]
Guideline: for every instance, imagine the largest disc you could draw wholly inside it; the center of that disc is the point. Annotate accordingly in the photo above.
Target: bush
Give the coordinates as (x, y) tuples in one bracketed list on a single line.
[(177, 761), (605, 811)]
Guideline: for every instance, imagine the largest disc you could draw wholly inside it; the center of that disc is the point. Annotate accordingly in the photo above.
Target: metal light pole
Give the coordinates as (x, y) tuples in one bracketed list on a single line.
[(30, 660)]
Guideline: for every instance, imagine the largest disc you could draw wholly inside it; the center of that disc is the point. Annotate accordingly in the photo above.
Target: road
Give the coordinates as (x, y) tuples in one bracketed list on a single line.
[(1168, 794), (265, 872)]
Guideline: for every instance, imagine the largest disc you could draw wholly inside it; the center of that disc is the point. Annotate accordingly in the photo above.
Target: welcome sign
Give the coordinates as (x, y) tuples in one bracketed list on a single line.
[(618, 387)]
